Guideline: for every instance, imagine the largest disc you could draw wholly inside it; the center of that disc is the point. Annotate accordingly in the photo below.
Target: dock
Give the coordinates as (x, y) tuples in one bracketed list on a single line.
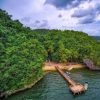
[(74, 87)]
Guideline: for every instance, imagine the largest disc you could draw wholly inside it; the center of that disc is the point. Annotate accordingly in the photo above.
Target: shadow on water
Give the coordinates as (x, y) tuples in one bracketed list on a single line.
[(53, 87)]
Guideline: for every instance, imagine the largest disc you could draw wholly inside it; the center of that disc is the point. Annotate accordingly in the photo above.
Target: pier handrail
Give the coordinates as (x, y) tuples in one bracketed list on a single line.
[(74, 87), (66, 77)]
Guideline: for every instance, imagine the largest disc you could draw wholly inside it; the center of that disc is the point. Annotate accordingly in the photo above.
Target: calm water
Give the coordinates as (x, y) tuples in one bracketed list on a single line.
[(53, 87)]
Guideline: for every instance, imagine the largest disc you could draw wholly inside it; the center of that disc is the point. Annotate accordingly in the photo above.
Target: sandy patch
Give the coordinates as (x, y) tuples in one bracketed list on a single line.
[(50, 66)]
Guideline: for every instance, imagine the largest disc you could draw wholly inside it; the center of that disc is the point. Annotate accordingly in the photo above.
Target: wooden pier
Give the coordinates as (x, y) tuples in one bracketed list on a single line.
[(75, 88)]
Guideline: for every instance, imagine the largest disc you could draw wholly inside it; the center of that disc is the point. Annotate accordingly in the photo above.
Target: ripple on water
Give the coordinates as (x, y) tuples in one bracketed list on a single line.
[(53, 87)]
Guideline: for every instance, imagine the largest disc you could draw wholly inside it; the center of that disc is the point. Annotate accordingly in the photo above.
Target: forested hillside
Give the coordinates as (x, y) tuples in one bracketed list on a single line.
[(23, 51), (21, 56)]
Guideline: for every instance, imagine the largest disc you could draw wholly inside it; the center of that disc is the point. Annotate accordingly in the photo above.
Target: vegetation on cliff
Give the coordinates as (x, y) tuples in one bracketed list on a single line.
[(23, 51)]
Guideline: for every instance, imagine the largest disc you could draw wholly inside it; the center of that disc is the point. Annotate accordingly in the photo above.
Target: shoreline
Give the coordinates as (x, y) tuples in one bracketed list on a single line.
[(51, 66), (48, 67), (11, 92)]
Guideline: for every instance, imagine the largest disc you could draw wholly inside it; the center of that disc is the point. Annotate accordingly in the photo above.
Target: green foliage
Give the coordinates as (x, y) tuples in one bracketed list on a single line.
[(21, 55), (65, 46), (23, 51)]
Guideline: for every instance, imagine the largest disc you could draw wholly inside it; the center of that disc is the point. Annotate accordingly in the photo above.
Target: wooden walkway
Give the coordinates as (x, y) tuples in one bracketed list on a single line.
[(75, 88), (89, 64)]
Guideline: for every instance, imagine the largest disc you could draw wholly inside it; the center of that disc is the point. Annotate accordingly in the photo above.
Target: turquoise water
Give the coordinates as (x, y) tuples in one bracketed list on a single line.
[(53, 87)]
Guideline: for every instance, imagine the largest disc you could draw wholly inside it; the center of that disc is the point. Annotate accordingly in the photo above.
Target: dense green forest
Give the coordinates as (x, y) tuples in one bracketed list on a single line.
[(23, 51)]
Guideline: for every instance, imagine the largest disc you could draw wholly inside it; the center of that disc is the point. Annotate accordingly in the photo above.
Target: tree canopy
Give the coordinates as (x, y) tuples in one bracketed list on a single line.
[(23, 51)]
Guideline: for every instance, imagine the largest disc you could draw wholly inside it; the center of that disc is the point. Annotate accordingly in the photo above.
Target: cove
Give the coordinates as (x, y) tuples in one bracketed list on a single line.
[(53, 87)]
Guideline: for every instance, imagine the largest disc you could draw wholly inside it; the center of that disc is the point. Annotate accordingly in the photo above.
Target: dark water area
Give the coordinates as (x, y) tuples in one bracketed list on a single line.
[(96, 37), (53, 87)]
